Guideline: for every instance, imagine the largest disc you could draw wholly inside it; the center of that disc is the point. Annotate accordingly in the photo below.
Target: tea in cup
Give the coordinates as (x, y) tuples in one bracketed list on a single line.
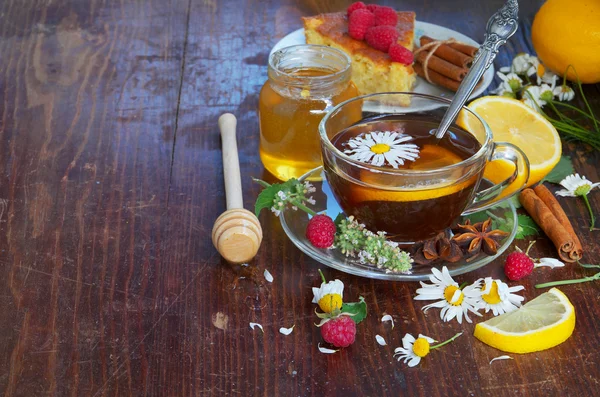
[(389, 171)]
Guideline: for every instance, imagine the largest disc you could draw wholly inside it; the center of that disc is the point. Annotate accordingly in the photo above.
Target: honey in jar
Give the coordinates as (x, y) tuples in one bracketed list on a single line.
[(305, 82)]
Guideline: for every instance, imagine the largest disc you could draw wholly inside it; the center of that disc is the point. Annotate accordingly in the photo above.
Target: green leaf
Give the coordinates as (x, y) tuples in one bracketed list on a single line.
[(562, 169), (266, 197), (478, 217), (514, 200), (358, 310), (526, 227), (338, 219)]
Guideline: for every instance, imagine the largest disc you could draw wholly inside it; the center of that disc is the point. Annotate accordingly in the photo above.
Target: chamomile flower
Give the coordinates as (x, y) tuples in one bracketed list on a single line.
[(413, 350), (504, 89), (524, 64), (546, 94), (545, 76), (564, 93), (329, 295), (379, 147), (511, 81), (577, 186), (454, 302), (532, 97), (499, 297)]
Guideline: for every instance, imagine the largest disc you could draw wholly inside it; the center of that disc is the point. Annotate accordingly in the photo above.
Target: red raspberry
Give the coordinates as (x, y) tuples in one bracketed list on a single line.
[(381, 37), (385, 16), (340, 331), (355, 6), (401, 54), (518, 265), (372, 7), (359, 22), (320, 231)]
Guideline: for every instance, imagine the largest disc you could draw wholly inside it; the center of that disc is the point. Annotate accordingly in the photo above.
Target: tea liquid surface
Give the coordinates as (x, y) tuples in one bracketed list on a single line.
[(407, 209)]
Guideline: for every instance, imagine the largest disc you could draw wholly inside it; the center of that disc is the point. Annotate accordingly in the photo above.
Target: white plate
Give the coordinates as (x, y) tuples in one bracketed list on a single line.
[(421, 28)]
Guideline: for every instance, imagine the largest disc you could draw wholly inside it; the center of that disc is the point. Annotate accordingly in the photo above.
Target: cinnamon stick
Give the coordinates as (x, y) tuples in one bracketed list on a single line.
[(441, 66), (541, 214), (552, 203), (436, 78), (464, 48), (449, 54)]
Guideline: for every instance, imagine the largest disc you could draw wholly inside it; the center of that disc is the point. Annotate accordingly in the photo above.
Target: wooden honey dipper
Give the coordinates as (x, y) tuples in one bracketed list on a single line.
[(236, 234)]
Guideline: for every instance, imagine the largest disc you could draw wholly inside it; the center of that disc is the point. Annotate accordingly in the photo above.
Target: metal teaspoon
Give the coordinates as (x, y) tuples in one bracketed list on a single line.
[(500, 27)]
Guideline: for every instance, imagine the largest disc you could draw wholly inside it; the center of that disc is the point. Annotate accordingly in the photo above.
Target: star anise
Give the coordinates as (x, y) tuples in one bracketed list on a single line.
[(440, 248), (474, 238)]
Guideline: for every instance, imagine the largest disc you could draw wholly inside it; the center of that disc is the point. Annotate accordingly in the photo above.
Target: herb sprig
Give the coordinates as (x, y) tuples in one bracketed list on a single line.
[(351, 238), (576, 280), (585, 128)]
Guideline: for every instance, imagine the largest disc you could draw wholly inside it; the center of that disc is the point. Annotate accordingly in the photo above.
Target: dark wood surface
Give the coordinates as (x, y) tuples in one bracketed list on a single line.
[(110, 181)]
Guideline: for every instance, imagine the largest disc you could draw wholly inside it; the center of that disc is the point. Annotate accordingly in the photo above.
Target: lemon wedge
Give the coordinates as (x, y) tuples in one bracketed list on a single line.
[(540, 324), (514, 122)]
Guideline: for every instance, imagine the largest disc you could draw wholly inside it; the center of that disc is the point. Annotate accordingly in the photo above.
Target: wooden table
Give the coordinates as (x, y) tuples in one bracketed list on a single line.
[(111, 179)]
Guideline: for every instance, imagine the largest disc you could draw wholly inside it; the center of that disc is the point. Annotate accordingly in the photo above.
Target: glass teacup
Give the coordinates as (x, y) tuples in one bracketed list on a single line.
[(424, 195)]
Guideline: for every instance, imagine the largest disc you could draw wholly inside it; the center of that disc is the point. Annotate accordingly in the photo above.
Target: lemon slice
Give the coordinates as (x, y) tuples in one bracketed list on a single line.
[(540, 324), (514, 122)]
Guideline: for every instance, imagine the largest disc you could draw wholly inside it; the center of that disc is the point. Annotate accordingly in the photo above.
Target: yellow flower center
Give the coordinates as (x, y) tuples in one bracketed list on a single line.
[(380, 148), (541, 70), (330, 302), (492, 297), (421, 347), (449, 293), (582, 190)]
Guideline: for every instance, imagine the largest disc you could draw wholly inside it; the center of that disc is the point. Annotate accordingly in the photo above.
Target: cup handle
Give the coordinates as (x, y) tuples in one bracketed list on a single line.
[(491, 196)]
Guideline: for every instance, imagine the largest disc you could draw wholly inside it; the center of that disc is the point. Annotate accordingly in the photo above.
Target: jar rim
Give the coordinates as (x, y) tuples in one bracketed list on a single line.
[(323, 50)]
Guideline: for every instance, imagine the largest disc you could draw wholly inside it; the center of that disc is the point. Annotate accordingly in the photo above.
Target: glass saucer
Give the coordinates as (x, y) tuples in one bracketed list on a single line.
[(294, 224)]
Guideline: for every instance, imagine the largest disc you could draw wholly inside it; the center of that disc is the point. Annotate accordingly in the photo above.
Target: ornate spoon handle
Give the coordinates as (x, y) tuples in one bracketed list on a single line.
[(500, 27)]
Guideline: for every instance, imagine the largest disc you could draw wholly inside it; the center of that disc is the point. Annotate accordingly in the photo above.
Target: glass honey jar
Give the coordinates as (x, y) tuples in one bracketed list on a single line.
[(305, 82)]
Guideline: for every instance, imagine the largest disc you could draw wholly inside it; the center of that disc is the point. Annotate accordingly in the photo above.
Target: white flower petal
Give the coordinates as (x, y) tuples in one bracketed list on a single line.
[(414, 361), (387, 317), (456, 296), (325, 350), (508, 300), (500, 358), (268, 276), (549, 262), (427, 338), (398, 152), (286, 331), (564, 93), (252, 325), (565, 193), (380, 340), (572, 183), (407, 341), (441, 280), (332, 287)]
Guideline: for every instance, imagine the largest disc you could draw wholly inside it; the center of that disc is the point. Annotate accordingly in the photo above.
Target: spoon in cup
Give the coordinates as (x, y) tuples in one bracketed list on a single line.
[(500, 27)]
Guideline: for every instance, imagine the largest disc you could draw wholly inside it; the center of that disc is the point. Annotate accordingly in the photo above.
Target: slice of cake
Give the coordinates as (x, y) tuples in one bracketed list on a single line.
[(372, 70)]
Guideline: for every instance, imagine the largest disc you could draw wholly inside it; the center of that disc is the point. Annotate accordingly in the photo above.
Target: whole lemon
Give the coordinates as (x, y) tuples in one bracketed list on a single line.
[(567, 32)]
